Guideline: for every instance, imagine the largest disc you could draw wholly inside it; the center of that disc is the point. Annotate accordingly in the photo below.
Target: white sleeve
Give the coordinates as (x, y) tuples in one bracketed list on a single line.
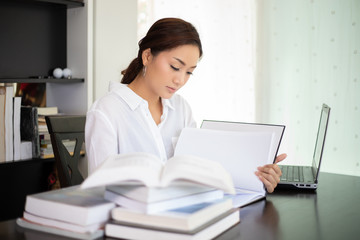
[(100, 139)]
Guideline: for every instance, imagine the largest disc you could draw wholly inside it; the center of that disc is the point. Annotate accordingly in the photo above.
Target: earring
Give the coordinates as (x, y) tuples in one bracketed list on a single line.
[(144, 71)]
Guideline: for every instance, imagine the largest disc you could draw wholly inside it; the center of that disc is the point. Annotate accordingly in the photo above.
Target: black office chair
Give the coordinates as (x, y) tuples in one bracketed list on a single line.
[(63, 129)]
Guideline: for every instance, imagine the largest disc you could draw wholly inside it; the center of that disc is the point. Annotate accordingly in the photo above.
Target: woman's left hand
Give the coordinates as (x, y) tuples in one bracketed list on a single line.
[(270, 173)]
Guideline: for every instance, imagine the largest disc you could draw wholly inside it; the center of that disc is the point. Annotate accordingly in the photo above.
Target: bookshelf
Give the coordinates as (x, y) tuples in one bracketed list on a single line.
[(38, 36)]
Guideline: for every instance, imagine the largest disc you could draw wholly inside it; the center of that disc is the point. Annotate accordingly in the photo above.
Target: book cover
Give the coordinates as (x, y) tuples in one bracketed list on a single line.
[(9, 144), (16, 125), (63, 225), (29, 129), (275, 129), (209, 230), (71, 205), (2, 124), (165, 204), (240, 153), (186, 218)]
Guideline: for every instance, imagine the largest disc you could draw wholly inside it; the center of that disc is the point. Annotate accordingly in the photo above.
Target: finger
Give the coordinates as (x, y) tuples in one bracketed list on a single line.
[(280, 157), (271, 169), (269, 179), (267, 183)]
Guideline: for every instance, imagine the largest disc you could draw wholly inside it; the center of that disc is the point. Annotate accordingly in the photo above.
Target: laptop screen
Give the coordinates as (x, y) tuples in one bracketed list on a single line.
[(320, 140)]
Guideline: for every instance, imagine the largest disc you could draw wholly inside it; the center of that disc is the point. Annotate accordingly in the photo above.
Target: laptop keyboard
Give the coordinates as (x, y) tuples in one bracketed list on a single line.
[(292, 173)]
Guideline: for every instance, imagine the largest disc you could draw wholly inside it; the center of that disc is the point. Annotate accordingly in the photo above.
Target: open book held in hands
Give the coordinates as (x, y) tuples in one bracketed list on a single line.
[(149, 170)]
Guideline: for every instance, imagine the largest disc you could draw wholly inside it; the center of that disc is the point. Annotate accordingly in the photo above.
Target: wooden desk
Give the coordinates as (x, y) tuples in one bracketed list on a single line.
[(332, 212)]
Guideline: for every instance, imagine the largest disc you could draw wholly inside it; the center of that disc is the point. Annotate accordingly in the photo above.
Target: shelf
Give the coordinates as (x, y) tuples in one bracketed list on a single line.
[(68, 3), (28, 161), (41, 80)]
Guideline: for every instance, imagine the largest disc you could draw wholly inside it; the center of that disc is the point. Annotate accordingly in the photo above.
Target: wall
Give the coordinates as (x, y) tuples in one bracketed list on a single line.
[(115, 41), (309, 54)]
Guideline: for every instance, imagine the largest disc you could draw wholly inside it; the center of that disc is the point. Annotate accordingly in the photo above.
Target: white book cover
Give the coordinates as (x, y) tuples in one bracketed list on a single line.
[(9, 123), (277, 130), (43, 231), (63, 225), (2, 125), (16, 126)]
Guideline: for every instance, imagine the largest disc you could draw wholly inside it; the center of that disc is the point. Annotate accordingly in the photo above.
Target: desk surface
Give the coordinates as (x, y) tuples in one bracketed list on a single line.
[(331, 212)]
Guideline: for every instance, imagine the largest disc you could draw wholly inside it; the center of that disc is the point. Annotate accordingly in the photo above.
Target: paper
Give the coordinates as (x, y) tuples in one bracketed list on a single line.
[(278, 131), (239, 152)]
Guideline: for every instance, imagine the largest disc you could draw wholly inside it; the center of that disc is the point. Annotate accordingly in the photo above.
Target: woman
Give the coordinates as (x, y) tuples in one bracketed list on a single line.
[(143, 113)]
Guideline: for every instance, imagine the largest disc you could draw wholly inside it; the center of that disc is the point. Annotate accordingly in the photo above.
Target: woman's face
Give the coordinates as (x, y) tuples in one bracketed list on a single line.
[(169, 70)]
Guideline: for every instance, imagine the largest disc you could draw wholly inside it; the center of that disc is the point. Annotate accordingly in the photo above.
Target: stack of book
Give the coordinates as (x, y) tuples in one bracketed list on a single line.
[(183, 198), (203, 220), (70, 212)]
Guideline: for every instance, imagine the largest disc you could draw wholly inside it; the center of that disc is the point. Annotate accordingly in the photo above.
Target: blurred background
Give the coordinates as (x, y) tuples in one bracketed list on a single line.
[(265, 61)]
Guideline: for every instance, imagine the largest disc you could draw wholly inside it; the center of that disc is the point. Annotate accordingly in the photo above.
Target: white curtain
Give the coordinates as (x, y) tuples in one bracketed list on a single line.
[(222, 87), (309, 54)]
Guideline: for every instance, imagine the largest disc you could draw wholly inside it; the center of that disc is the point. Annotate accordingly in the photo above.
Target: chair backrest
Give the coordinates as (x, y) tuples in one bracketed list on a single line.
[(64, 132)]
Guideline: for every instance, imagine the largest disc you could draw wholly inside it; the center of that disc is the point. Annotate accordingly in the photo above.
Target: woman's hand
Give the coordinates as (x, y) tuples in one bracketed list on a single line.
[(270, 173)]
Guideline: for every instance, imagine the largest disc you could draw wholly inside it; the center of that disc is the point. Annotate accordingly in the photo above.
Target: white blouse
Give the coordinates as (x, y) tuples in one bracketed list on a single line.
[(120, 122)]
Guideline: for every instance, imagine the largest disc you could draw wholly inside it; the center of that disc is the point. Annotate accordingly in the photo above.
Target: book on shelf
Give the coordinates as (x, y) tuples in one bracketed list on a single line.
[(209, 230), (16, 126), (45, 111), (240, 153), (26, 150), (185, 218), (29, 129), (163, 205), (42, 112), (71, 205), (9, 131), (46, 232), (46, 149), (149, 170), (2, 124)]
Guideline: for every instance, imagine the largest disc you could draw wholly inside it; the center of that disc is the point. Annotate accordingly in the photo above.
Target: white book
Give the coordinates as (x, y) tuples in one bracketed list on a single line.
[(9, 123), (149, 170), (240, 153), (2, 125), (43, 231), (72, 205), (16, 126), (165, 204), (25, 150), (63, 225), (44, 111), (209, 230), (186, 218)]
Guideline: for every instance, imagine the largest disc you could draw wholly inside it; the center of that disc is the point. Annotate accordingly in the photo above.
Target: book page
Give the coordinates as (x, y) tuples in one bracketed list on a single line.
[(142, 167), (242, 199), (240, 153), (203, 171), (278, 131)]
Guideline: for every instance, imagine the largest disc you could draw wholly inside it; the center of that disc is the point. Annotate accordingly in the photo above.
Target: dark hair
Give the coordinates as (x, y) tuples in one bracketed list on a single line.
[(164, 34)]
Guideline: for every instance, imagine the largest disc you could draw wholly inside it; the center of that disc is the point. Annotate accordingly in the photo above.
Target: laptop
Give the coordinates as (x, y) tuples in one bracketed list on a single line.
[(306, 177)]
